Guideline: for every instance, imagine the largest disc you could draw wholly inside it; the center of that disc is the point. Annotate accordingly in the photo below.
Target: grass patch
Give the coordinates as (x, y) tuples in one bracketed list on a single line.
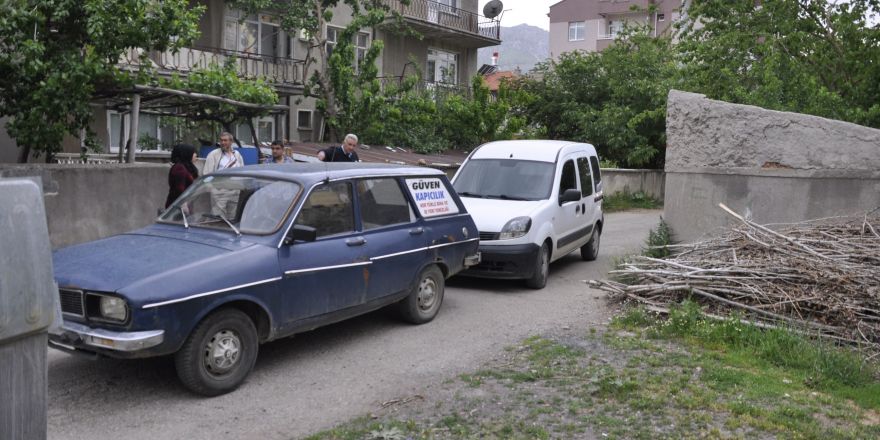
[(649, 378), (622, 201)]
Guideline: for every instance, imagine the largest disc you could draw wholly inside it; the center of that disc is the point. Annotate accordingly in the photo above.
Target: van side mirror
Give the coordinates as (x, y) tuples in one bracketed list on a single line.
[(301, 233), (570, 195)]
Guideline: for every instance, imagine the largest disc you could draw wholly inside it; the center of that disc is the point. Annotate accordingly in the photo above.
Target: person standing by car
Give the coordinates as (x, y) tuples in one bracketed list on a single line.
[(183, 171), (224, 202), (278, 155), (223, 157), (342, 153)]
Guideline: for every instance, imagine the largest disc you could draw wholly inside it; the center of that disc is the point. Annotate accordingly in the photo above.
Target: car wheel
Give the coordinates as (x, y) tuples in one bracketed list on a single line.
[(542, 268), (425, 297), (219, 354), (590, 250)]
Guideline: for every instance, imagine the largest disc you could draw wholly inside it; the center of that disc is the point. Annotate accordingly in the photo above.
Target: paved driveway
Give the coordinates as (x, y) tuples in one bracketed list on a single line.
[(316, 380)]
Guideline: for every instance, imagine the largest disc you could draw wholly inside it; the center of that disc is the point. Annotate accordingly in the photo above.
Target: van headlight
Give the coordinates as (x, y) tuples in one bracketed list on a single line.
[(106, 307), (515, 228)]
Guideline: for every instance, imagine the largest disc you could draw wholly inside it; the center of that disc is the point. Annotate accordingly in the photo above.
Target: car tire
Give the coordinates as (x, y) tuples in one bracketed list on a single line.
[(590, 250), (219, 354), (542, 268), (425, 297)]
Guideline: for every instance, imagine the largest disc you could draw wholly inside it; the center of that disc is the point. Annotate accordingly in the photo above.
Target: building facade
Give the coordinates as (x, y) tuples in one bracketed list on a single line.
[(592, 25), (445, 56)]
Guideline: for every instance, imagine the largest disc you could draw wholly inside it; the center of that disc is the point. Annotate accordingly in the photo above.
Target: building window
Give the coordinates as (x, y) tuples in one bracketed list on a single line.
[(576, 31), (661, 17), (361, 44), (253, 34), (615, 27), (304, 119), (442, 67), (332, 38), (265, 131)]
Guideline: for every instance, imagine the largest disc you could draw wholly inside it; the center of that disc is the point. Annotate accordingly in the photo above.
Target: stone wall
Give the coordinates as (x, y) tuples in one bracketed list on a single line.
[(774, 167), (649, 182), (87, 202)]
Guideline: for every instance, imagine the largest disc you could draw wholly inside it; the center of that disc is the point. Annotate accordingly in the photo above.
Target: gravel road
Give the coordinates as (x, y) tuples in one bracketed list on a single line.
[(316, 380)]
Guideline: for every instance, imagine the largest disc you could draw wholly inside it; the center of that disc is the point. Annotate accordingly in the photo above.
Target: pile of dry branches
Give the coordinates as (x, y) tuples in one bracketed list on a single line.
[(820, 276)]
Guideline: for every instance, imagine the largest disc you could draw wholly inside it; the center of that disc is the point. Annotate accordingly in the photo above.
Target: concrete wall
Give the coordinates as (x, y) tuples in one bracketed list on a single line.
[(772, 166), (87, 202), (650, 182)]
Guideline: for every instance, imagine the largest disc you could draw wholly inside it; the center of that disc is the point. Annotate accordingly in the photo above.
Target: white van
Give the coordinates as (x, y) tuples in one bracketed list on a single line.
[(534, 201)]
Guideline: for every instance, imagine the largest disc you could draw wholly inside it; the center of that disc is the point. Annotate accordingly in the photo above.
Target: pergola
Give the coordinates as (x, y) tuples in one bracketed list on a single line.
[(180, 104)]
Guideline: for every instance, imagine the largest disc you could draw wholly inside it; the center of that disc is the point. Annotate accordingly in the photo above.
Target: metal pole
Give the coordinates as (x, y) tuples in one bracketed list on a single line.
[(133, 134)]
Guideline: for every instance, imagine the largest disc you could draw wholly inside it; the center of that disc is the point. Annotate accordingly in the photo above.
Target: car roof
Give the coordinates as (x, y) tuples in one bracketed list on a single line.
[(310, 173), (538, 150)]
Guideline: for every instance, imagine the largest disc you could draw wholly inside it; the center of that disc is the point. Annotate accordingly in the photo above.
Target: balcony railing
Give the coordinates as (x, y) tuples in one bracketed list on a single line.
[(278, 71), (447, 16), (438, 90)]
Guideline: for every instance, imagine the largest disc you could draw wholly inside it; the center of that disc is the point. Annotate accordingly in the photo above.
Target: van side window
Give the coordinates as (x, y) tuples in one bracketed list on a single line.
[(584, 172), (328, 209), (597, 176), (382, 203), (569, 177)]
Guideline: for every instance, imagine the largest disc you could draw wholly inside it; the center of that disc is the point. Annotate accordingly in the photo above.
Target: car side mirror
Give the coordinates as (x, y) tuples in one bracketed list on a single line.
[(570, 195), (301, 233)]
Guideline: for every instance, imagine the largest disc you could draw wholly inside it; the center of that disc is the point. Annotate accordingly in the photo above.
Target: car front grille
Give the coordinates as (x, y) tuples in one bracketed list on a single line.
[(72, 301), (487, 236)]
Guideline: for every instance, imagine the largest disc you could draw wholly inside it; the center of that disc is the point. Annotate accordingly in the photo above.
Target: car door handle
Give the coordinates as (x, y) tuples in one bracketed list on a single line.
[(584, 207), (356, 241), (416, 231), (577, 209)]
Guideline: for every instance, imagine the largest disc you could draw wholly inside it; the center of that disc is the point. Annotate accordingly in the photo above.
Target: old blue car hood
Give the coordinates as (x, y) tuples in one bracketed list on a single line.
[(113, 263)]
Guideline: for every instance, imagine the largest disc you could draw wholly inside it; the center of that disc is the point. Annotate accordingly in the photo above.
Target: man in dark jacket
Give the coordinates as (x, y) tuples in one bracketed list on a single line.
[(342, 153)]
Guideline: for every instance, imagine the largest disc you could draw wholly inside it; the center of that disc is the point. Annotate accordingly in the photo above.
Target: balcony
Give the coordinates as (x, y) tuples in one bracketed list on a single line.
[(285, 74), (437, 90), (443, 22)]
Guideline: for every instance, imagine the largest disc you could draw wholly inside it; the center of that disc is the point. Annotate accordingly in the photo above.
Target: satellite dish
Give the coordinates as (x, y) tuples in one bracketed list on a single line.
[(492, 9)]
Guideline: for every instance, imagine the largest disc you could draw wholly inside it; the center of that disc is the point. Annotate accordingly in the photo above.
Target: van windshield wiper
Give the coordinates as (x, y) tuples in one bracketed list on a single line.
[(223, 217), (469, 194), (503, 197)]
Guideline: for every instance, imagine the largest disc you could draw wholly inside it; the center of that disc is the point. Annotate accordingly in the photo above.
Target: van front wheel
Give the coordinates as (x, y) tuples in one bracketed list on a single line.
[(542, 268)]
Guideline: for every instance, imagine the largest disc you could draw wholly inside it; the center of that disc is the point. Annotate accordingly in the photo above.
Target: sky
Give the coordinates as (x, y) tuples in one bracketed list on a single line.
[(533, 12)]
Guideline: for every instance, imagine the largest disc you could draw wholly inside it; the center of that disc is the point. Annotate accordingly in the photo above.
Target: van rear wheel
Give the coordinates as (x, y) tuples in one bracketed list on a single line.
[(542, 268), (590, 250)]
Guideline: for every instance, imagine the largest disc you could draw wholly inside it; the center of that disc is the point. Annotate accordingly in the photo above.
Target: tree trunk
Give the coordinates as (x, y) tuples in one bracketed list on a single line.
[(24, 152)]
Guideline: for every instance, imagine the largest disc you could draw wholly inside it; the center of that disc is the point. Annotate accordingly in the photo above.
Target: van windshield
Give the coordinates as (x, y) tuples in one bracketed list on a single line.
[(508, 179)]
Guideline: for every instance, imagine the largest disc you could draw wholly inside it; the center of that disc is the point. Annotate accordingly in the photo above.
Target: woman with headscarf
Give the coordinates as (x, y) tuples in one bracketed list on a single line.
[(183, 171)]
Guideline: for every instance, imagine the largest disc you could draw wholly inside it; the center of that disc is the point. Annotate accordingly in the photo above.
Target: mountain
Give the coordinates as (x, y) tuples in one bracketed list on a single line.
[(521, 46)]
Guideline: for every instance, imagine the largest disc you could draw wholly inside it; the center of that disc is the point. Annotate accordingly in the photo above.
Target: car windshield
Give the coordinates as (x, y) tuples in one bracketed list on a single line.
[(241, 204), (507, 179)]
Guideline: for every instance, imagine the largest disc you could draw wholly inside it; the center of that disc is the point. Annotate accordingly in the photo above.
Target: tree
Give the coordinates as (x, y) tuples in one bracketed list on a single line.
[(811, 56), (54, 54), (346, 88), (615, 99)]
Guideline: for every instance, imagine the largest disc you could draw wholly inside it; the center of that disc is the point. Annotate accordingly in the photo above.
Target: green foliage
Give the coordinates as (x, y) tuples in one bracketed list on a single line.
[(807, 56), (614, 99), (624, 200), (223, 81), (428, 122), (56, 52), (658, 240)]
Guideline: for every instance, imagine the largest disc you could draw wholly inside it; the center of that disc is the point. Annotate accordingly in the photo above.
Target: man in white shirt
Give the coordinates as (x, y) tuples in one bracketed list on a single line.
[(224, 202), (223, 157)]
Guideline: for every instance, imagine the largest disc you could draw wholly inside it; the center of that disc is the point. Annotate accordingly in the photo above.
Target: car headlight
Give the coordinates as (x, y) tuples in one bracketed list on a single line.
[(515, 228), (106, 307)]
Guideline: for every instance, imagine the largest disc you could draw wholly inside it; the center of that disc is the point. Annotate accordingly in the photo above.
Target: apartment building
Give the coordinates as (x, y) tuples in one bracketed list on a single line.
[(446, 57), (592, 25)]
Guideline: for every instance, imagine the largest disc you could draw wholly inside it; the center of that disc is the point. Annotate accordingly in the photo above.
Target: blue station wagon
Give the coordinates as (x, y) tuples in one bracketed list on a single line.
[(258, 253)]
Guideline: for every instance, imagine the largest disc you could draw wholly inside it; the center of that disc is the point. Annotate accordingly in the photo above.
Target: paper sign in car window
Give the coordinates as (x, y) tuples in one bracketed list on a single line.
[(431, 197)]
